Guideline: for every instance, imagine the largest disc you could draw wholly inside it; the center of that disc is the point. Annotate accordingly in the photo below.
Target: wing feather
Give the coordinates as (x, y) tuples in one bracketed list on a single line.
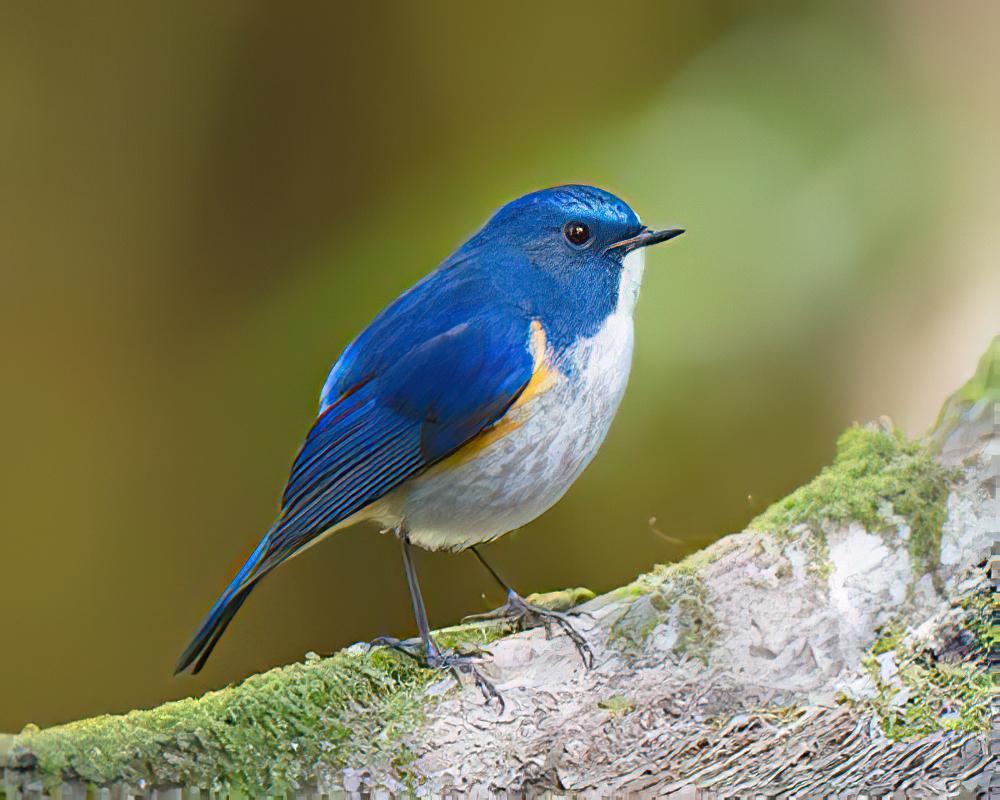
[(433, 371), (389, 428)]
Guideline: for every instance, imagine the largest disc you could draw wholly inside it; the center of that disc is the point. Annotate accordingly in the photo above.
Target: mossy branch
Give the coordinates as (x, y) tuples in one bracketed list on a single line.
[(864, 587)]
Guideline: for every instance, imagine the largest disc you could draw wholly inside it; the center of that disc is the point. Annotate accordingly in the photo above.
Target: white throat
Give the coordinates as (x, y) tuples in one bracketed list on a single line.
[(628, 289)]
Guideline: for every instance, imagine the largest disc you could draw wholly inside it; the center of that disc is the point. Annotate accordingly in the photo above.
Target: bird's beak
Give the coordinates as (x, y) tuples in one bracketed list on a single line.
[(645, 238)]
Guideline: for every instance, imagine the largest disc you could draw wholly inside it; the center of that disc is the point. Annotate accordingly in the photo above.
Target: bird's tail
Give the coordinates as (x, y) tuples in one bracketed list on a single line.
[(222, 613)]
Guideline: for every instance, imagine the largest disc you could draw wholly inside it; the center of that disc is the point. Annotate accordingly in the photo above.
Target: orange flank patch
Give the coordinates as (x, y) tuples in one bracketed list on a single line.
[(543, 378)]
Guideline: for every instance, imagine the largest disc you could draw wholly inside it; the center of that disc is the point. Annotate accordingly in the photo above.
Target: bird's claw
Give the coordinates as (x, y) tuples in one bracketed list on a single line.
[(519, 613), (456, 663), (459, 663)]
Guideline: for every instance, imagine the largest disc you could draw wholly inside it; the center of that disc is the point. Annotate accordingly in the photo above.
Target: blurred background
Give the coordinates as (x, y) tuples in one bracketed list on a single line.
[(202, 205)]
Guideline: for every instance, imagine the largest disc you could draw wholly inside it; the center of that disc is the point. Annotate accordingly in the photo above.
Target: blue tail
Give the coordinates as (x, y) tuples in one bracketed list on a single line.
[(222, 613)]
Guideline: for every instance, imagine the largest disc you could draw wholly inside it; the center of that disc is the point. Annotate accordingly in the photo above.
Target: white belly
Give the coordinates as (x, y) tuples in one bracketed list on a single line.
[(516, 478)]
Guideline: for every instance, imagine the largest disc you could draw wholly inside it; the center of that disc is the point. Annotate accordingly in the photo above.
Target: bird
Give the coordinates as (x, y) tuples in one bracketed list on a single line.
[(470, 404)]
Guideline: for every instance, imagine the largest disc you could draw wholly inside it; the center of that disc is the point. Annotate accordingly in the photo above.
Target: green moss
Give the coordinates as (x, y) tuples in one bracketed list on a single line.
[(663, 588), (888, 640), (696, 628), (692, 564), (680, 594), (562, 600), (929, 693), (876, 473), (986, 381), (984, 385), (983, 621), (941, 697), (473, 635), (616, 705), (267, 733), (640, 587), (697, 561)]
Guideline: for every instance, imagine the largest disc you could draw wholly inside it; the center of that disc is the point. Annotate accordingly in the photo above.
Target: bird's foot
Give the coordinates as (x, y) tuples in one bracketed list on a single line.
[(522, 615), (456, 663), (459, 664)]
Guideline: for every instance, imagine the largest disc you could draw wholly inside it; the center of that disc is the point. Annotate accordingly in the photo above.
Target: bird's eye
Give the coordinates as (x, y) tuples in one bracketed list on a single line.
[(576, 233)]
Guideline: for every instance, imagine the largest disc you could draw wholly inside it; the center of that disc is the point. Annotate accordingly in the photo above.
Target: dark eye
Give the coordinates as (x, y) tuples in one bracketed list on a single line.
[(576, 233)]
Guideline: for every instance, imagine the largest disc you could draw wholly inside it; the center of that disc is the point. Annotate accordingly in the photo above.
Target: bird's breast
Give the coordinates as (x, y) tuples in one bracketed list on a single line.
[(522, 465)]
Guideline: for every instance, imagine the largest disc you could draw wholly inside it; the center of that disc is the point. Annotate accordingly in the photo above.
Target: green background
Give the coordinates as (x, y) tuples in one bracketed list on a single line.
[(201, 205)]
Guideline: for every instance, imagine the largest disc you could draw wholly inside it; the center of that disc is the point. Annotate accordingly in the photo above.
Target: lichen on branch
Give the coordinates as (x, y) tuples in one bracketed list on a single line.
[(876, 475)]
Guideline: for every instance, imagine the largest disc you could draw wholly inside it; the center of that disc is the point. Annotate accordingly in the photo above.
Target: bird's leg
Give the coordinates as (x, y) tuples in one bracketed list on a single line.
[(522, 614), (416, 598), (433, 656)]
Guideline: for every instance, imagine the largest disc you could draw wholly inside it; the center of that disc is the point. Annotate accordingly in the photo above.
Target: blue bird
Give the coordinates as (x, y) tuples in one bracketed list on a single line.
[(469, 405)]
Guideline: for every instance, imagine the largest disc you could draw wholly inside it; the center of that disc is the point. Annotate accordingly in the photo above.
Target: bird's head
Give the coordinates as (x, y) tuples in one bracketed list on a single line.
[(582, 246)]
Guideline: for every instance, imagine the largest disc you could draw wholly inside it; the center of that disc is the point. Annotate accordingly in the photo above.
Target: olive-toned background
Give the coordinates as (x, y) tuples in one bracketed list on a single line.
[(200, 205)]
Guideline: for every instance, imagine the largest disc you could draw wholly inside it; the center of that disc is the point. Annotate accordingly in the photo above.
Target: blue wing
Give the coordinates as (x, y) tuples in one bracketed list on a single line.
[(428, 375), (385, 429)]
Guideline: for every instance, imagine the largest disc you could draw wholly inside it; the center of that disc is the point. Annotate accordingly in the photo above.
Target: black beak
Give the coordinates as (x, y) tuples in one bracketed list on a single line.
[(645, 238)]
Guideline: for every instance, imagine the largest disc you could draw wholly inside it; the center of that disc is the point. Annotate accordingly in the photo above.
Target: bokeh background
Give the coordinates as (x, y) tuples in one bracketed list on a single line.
[(200, 206)]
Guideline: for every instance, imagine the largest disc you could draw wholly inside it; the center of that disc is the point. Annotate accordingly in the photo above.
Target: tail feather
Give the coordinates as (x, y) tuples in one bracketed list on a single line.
[(221, 614)]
